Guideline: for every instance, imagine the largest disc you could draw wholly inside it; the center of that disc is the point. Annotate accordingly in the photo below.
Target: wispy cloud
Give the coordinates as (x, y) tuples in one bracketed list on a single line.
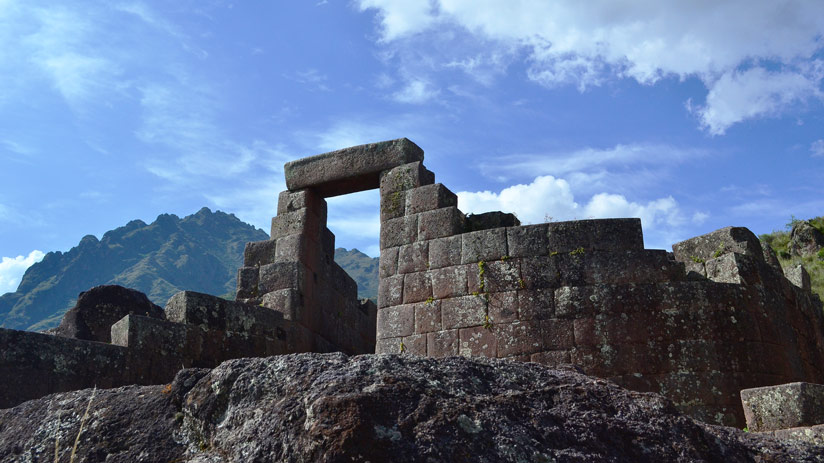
[(817, 148), (311, 78), (13, 268), (727, 45), (416, 91)]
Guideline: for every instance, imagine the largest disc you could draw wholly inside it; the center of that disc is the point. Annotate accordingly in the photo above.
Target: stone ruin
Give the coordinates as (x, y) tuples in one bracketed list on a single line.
[(698, 325)]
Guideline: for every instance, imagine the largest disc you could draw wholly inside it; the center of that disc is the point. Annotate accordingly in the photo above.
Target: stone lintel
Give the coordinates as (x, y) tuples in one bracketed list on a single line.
[(350, 170)]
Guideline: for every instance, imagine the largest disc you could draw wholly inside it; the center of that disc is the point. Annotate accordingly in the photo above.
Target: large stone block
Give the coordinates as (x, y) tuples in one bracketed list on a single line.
[(503, 307), (484, 245), (393, 205), (349, 170), (541, 272), (288, 302), (34, 365), (712, 245), (528, 241), (247, 282), (783, 406), (396, 321), (413, 257), (400, 231), (579, 268), (300, 221), (496, 276), (439, 223), (213, 313), (443, 343), (257, 253), (429, 197), (523, 337), (428, 317), (733, 268), (388, 264), (595, 235), (289, 201), (445, 252), (449, 282), (162, 347), (417, 287), (798, 276), (390, 291), (478, 341), (489, 220), (462, 312), (405, 177), (298, 248), (536, 304), (281, 275)]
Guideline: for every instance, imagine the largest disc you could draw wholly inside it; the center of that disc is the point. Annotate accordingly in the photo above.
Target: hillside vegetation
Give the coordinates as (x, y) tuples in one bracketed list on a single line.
[(781, 243)]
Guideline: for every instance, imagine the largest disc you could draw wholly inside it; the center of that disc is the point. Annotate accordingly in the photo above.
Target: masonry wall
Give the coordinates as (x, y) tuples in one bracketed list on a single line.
[(697, 329)]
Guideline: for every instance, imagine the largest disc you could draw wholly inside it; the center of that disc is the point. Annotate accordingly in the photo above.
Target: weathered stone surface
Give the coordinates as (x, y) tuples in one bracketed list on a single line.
[(439, 223), (798, 276), (784, 406), (805, 239), (413, 257), (350, 169), (595, 235), (528, 241), (259, 253), (718, 243), (486, 245), (289, 201), (213, 313), (100, 307), (329, 408), (445, 252), (400, 231), (429, 197), (488, 220), (396, 321), (300, 221), (34, 364), (404, 177)]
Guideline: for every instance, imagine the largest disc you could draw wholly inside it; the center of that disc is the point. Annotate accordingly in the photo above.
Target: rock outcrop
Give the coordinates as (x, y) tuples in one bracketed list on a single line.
[(805, 239), (101, 307), (334, 408)]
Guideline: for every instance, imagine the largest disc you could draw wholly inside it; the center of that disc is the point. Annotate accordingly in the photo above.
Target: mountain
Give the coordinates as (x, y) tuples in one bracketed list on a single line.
[(362, 268), (200, 252)]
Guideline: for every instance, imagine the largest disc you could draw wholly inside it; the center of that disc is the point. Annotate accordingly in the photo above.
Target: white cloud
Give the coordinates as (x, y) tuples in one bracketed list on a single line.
[(587, 43), (817, 148), (416, 91), (551, 199), (13, 268), (400, 17), (754, 93)]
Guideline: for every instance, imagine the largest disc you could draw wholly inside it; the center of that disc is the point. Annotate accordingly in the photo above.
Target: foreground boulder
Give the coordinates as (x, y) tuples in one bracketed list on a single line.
[(101, 307), (334, 408)]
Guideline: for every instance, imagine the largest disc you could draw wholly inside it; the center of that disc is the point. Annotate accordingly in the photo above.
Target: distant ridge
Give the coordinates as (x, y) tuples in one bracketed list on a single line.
[(200, 252)]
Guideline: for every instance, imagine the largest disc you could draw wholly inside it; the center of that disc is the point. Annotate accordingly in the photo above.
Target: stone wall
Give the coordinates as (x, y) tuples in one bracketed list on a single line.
[(697, 325), (199, 331)]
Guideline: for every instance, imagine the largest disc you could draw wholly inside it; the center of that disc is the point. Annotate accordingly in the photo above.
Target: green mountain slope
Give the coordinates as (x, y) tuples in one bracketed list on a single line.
[(781, 241), (362, 268), (200, 252)]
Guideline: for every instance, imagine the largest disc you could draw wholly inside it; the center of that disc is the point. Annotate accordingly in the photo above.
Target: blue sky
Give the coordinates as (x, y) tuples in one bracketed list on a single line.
[(690, 117)]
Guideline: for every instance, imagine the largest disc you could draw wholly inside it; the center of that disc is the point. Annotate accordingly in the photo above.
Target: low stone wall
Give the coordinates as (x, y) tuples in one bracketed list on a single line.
[(200, 331)]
